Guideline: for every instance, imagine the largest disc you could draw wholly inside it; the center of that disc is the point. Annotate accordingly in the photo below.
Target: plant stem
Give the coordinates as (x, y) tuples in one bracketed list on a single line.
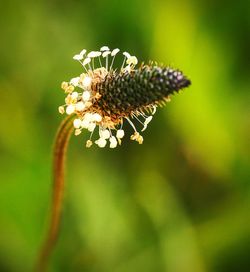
[(60, 149)]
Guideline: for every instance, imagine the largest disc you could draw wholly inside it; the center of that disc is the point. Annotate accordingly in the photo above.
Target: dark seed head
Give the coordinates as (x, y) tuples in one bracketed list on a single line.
[(124, 93)]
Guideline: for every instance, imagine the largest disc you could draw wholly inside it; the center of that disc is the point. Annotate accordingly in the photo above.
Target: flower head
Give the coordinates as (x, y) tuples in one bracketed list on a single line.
[(103, 98)]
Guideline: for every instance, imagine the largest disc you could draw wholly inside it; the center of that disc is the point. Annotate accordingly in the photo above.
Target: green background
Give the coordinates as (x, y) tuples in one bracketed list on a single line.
[(180, 202)]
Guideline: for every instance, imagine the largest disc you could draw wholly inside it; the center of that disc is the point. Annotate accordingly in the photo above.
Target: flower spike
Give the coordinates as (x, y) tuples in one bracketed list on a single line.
[(104, 97)]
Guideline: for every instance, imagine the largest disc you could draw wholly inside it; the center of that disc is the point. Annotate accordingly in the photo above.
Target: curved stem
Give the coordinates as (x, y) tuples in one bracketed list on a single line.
[(60, 148)]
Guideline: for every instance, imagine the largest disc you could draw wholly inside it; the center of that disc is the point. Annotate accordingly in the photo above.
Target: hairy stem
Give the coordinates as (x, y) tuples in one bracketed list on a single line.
[(60, 149)]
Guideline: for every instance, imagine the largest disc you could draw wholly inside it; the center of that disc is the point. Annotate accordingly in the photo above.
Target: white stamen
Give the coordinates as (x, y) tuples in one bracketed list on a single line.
[(78, 57), (61, 110), (127, 69), (115, 51), (89, 143), (70, 109), (83, 52), (97, 117), (104, 48), (101, 142), (86, 96), (132, 60), (132, 125), (85, 123), (137, 118), (80, 106), (137, 137), (154, 110), (87, 82), (78, 132), (91, 127), (75, 81), (74, 95), (126, 54), (77, 123), (120, 133), (88, 116), (94, 54), (100, 61), (105, 134), (113, 142), (106, 53), (86, 61), (148, 119)]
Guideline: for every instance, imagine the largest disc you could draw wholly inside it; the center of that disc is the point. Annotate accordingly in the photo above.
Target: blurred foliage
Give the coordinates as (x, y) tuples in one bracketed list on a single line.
[(179, 202)]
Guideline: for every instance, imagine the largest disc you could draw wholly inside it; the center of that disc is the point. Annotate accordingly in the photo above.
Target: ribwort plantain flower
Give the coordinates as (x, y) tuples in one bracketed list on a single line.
[(102, 98)]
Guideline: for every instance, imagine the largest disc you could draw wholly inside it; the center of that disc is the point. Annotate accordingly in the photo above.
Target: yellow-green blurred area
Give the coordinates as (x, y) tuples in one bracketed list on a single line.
[(181, 201)]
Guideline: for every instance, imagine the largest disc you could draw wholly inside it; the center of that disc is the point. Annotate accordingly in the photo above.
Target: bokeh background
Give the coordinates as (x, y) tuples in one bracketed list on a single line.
[(180, 202)]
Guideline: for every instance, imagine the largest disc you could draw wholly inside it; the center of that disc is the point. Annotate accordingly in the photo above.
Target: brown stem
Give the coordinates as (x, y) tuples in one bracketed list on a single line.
[(60, 148)]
